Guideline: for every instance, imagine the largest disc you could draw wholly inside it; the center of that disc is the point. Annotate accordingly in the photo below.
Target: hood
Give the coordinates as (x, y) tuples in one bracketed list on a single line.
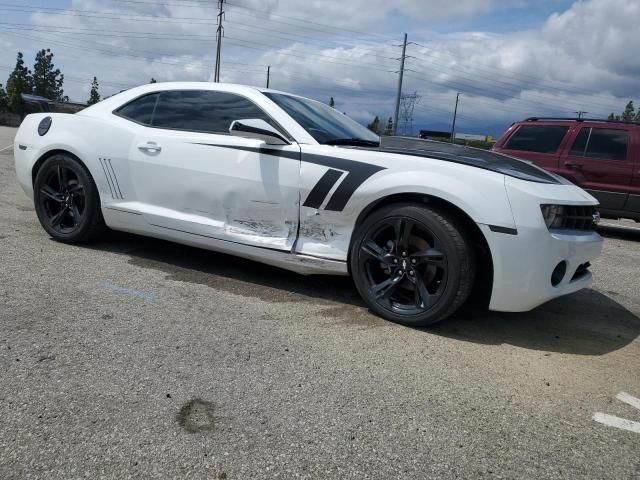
[(474, 157)]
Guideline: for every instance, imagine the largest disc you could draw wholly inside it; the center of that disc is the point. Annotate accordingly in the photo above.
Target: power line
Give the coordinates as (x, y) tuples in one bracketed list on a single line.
[(490, 94)]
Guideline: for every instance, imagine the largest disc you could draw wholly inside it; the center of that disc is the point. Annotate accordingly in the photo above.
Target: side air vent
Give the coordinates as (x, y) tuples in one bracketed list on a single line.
[(112, 179)]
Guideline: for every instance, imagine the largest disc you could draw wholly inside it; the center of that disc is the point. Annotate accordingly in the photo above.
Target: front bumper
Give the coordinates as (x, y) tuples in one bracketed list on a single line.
[(523, 265)]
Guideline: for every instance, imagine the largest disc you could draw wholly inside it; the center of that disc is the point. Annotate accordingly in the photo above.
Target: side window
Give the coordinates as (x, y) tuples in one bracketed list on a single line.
[(580, 143), (537, 138), (203, 111), (605, 143), (139, 110)]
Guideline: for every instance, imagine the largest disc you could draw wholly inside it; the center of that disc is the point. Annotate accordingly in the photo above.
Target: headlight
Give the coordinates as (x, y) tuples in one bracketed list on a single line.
[(552, 215)]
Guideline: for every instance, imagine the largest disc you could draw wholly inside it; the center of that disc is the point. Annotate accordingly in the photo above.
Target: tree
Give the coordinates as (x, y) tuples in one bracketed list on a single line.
[(374, 126), (629, 112), (613, 117), (20, 81), (332, 103), (47, 81), (153, 80), (637, 119), (4, 101), (94, 96), (389, 128)]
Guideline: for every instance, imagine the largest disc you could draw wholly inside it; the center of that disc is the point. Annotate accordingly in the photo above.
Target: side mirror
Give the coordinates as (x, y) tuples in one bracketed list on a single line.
[(257, 129)]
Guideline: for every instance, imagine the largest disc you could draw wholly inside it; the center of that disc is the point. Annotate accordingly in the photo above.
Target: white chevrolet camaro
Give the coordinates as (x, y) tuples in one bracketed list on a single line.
[(291, 182)]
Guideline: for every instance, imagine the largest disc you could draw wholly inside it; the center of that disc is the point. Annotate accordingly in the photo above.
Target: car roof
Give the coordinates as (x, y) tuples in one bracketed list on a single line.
[(114, 101), (573, 121)]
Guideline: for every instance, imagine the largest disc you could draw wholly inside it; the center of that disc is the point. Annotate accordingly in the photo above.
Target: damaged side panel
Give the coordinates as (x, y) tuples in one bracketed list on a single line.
[(323, 233), (198, 183)]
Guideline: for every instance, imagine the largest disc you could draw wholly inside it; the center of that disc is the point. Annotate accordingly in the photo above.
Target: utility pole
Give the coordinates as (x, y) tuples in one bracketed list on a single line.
[(219, 33), (395, 117), (268, 73), (580, 114), (455, 114)]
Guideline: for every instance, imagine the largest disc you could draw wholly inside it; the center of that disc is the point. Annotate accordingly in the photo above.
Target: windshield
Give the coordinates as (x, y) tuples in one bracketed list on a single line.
[(325, 124)]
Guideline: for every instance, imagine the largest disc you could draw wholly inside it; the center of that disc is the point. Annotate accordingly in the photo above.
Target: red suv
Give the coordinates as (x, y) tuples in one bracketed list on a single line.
[(602, 157)]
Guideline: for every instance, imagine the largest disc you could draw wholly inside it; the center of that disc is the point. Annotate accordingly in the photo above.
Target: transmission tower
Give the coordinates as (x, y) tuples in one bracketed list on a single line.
[(408, 102)]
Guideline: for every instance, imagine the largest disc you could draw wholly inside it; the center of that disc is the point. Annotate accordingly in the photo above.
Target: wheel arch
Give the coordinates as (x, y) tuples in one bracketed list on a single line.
[(483, 286), (51, 153)]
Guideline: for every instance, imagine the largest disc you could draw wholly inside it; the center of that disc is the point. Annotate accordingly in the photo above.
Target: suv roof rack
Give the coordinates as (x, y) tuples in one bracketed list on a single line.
[(535, 119)]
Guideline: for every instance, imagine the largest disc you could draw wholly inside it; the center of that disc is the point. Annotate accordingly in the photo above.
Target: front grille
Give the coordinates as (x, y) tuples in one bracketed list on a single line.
[(578, 218)]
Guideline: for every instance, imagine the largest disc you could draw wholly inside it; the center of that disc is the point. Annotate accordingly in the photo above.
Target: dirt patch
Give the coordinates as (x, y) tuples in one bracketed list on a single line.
[(196, 416)]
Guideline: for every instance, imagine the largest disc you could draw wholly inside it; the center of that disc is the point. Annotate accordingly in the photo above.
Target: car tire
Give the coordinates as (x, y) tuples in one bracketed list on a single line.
[(66, 200), (412, 264)]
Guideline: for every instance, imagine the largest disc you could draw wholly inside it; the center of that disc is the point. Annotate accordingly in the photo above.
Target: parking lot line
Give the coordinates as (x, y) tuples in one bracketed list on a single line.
[(617, 422), (6, 148), (629, 399)]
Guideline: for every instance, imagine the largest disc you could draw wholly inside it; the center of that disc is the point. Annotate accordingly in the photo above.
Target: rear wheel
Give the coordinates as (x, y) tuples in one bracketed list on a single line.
[(412, 264), (66, 200)]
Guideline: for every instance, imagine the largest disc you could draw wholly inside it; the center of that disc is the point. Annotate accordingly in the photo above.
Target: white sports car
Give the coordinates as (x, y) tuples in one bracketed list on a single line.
[(291, 182)]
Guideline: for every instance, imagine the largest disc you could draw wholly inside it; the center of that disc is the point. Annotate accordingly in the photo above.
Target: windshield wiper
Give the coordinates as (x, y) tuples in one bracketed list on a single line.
[(361, 142)]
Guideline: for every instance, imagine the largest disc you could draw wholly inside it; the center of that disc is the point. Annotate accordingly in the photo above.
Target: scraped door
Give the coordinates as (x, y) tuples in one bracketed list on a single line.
[(214, 184)]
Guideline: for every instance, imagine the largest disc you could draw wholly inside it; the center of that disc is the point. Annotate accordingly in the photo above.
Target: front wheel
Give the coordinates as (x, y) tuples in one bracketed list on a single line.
[(412, 264)]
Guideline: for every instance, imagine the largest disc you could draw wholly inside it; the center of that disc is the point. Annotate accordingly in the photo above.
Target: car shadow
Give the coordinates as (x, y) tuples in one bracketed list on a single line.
[(585, 323), (227, 272)]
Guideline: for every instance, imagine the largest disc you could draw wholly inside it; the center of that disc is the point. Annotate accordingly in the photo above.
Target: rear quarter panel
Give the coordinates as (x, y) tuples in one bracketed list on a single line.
[(89, 138)]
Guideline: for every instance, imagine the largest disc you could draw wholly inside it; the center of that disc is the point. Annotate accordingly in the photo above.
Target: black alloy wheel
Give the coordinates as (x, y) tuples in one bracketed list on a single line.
[(66, 200), (412, 264), (62, 199)]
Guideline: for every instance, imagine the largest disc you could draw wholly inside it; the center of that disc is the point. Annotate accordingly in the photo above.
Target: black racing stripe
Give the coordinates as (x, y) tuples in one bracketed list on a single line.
[(359, 172), (505, 230), (263, 150), (321, 189)]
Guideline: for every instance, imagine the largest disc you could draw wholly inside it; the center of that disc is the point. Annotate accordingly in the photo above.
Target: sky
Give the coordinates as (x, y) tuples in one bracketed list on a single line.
[(509, 59)]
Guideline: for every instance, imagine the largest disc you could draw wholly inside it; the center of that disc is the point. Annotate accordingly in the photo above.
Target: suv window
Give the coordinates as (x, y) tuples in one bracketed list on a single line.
[(203, 111), (603, 143), (537, 138), (140, 110)]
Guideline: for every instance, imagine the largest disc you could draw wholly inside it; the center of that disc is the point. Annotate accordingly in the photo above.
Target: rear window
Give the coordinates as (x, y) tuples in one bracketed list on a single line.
[(537, 138), (140, 110), (605, 143)]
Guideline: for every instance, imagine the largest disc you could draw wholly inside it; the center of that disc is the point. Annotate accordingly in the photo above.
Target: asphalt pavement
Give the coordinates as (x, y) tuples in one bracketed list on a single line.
[(139, 358)]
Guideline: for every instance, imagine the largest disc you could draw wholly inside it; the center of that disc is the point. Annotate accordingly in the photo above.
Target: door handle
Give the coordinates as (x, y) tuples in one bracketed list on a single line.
[(577, 166), (151, 147)]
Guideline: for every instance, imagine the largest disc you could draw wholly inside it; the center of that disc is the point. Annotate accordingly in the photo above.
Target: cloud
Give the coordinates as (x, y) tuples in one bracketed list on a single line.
[(578, 59)]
